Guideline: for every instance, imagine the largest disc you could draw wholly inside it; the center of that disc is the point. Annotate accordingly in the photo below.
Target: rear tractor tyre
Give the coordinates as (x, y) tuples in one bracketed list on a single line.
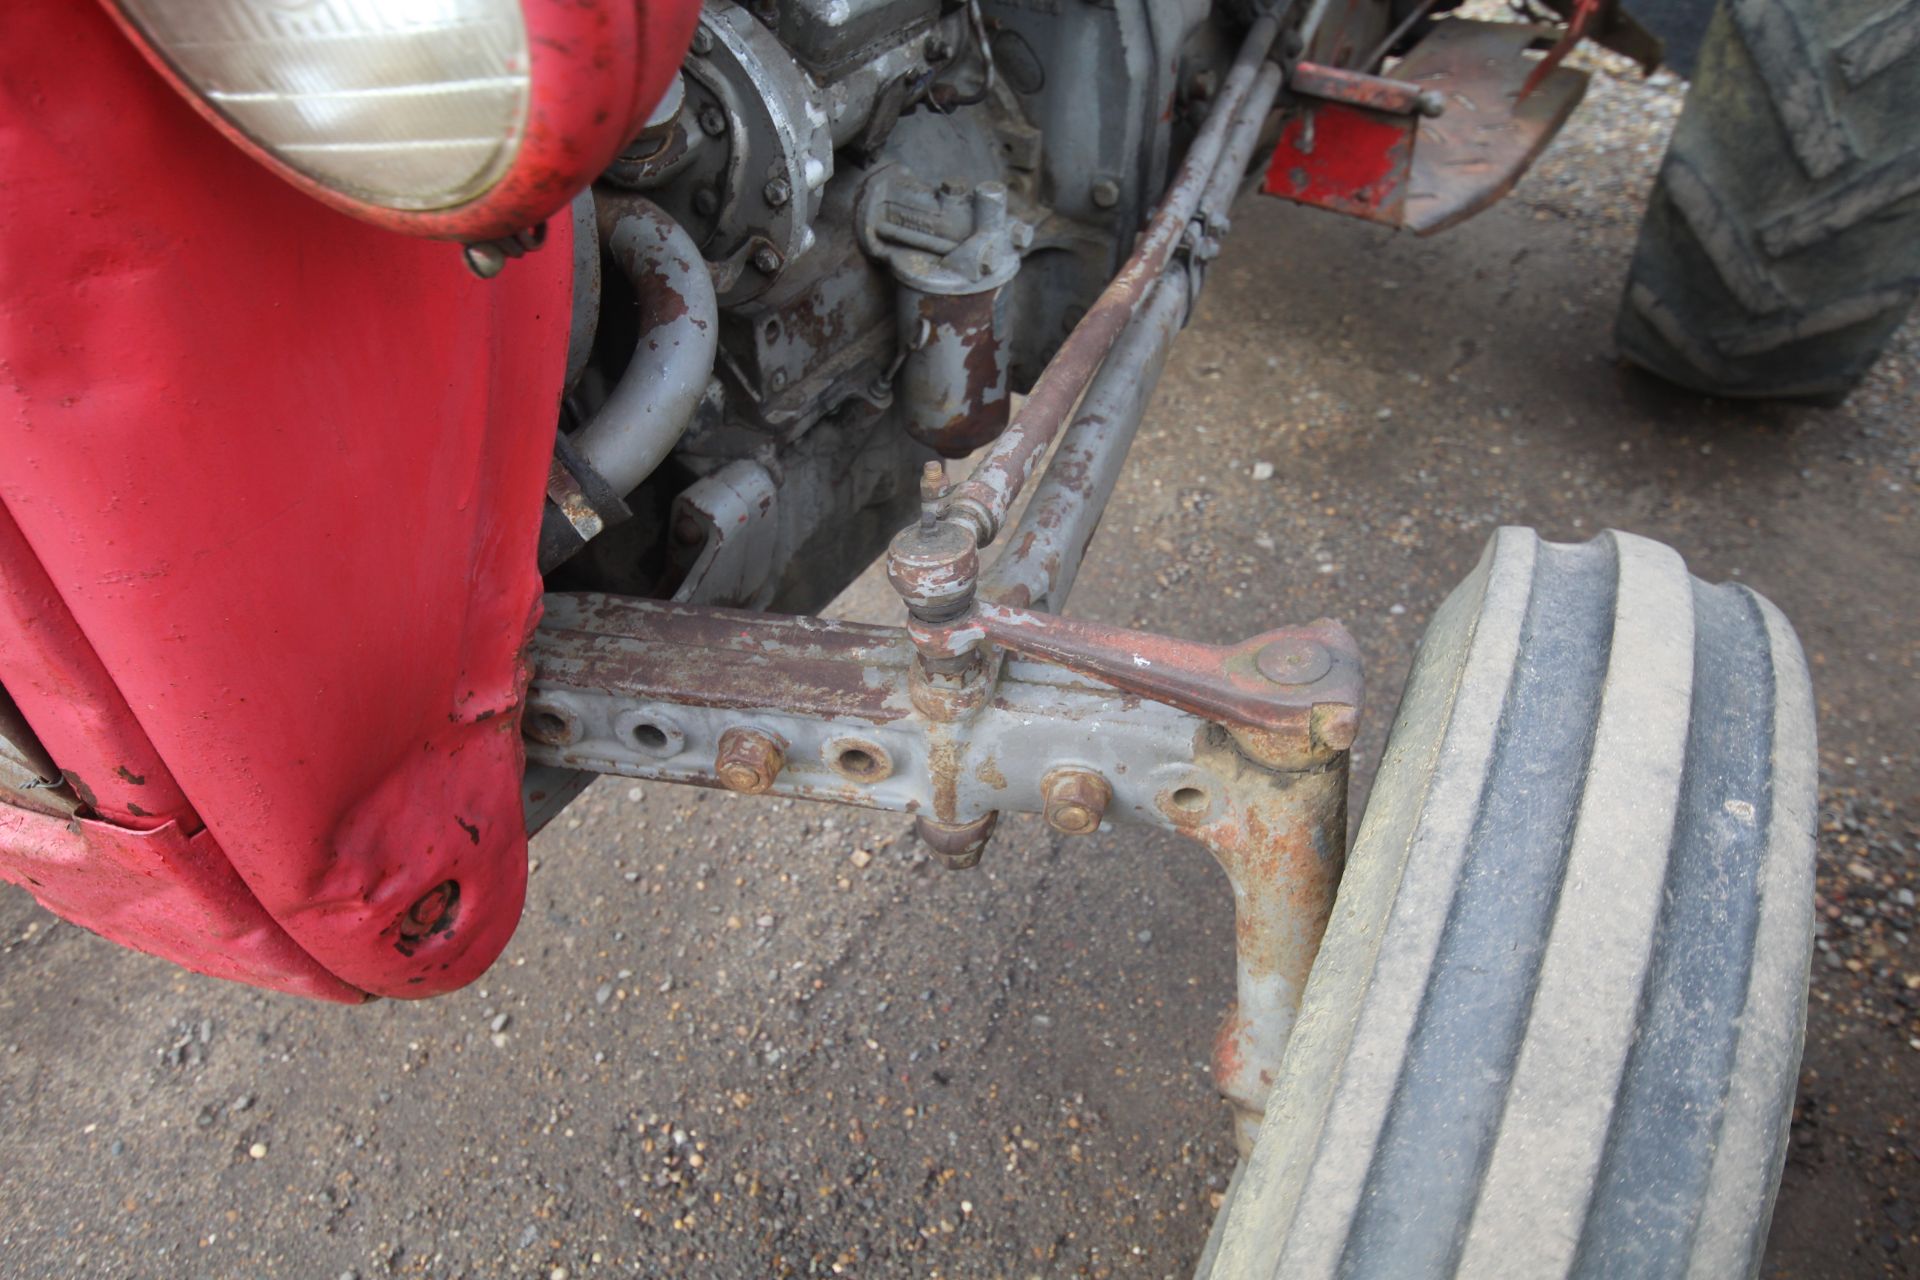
[(1781, 249)]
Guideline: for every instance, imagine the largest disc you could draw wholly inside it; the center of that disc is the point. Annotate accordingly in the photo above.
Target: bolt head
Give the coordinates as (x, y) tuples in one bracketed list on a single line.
[(1293, 660), (777, 192), (713, 120), (748, 761), (431, 911), (702, 41), (766, 259), (1076, 801), (1105, 193), (485, 260)]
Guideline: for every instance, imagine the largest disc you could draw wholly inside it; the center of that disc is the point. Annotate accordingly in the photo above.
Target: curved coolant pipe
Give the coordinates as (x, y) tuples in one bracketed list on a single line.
[(654, 401)]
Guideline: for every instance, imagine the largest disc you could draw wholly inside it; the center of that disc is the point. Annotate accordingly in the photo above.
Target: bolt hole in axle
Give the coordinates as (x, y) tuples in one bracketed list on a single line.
[(548, 726), (651, 733), (1189, 799), (859, 761)]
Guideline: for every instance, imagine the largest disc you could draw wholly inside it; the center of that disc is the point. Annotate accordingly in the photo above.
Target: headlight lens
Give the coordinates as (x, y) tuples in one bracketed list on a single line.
[(408, 104)]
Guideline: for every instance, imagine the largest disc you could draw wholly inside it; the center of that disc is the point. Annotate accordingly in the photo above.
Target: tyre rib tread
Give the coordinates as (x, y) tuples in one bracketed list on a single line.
[(1752, 1139), (1647, 1204), (1779, 260), (1743, 270), (1416, 825), (1660, 314), (1883, 40), (1554, 1029), (1827, 215), (1476, 997), (1791, 74), (1588, 997), (1841, 313)]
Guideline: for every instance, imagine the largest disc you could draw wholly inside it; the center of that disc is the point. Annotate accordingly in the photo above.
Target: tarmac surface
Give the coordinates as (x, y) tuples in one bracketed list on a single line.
[(749, 1038)]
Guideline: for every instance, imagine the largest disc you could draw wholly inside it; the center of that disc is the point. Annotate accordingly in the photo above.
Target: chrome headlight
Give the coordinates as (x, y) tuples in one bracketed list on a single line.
[(404, 104)]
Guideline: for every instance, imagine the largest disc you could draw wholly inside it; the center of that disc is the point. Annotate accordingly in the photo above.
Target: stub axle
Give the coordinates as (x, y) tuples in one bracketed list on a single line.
[(1242, 748)]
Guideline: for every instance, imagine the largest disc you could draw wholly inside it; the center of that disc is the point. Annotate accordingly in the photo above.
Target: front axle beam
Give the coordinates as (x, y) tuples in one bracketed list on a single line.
[(1242, 748)]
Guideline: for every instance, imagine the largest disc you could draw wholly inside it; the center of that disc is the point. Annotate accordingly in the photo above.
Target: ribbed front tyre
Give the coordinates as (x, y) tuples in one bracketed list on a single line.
[(1781, 248), (1555, 1025)]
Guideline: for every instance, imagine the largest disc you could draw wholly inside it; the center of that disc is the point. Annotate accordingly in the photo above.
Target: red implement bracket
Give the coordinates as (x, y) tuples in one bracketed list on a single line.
[(1352, 160), (1463, 116)]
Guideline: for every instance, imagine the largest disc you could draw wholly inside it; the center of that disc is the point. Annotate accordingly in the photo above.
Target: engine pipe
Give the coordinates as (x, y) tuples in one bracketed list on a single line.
[(654, 402)]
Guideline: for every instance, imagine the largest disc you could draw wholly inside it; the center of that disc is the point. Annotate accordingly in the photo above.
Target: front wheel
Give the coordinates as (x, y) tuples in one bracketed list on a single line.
[(1555, 1025), (1781, 248)]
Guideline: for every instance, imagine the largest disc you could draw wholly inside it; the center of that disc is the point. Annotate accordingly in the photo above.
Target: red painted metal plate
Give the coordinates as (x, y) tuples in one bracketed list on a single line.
[(1471, 157), (285, 471), (1349, 159)]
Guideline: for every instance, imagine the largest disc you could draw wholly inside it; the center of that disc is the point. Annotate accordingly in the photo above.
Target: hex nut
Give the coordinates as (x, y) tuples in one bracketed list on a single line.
[(713, 120), (777, 192), (748, 761), (1076, 801), (767, 259)]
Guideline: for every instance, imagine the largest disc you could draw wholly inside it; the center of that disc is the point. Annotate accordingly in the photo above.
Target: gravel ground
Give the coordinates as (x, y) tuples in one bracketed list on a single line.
[(745, 1038)]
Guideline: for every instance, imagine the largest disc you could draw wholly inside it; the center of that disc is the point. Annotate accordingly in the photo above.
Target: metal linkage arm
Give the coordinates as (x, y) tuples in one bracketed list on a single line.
[(1240, 747), (983, 500)]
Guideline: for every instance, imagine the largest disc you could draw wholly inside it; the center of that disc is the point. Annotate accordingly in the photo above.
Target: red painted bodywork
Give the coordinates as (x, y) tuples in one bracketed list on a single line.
[(1345, 158), (596, 71), (284, 472), (161, 891)]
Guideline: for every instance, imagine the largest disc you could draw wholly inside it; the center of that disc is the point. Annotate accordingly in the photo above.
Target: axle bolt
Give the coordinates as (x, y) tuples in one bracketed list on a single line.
[(702, 41), (749, 761), (713, 120), (777, 192), (1076, 801), (957, 844), (1105, 193), (767, 259), (1293, 660)]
